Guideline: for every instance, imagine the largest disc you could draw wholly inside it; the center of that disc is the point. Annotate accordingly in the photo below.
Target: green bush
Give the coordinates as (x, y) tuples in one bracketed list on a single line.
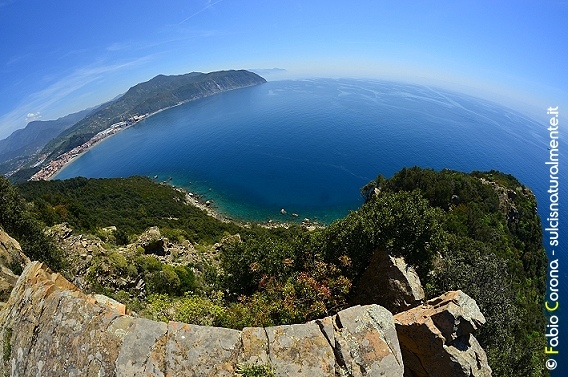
[(147, 263), (187, 279), (164, 281), (198, 310), (19, 222), (254, 370)]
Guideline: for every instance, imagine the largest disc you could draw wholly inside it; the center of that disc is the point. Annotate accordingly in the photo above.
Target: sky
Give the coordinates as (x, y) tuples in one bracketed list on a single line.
[(59, 57)]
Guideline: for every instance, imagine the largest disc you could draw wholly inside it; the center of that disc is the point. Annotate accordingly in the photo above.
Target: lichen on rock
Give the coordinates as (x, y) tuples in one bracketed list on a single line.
[(49, 327)]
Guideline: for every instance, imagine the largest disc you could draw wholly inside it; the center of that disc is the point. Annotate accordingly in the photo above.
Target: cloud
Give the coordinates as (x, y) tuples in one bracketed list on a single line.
[(209, 5), (56, 93), (33, 116)]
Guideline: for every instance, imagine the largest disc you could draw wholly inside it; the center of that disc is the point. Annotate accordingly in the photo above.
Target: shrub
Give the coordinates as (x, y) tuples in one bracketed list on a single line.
[(17, 220), (147, 263), (254, 370), (187, 279), (198, 310), (164, 281)]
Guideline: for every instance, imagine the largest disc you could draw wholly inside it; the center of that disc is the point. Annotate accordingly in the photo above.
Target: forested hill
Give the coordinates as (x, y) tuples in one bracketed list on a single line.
[(158, 93), (16, 149), (36, 134)]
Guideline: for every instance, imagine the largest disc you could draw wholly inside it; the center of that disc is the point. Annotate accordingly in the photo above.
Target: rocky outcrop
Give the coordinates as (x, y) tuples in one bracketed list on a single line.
[(436, 338), (12, 262), (390, 282), (50, 328), (92, 263), (152, 242)]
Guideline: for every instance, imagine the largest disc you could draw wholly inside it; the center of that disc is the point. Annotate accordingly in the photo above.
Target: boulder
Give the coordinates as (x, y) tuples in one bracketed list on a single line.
[(389, 282), (12, 262), (366, 342), (152, 241), (436, 338), (49, 327)]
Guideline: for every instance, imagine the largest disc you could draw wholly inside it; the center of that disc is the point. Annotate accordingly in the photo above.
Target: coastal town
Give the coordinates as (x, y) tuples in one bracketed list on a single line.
[(51, 169)]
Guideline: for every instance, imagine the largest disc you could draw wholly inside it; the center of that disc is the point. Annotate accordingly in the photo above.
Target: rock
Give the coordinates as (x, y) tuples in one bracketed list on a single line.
[(193, 350), (49, 327), (367, 343), (111, 303), (61, 231), (142, 347), (12, 262), (152, 241), (388, 281), (255, 346), (300, 350), (11, 254), (436, 338)]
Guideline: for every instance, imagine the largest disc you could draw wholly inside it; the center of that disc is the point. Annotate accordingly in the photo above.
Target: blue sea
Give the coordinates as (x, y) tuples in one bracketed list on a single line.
[(308, 146)]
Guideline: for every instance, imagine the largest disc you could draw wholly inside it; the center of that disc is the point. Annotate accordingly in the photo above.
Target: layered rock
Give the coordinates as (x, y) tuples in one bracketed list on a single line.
[(50, 328), (436, 338), (390, 282)]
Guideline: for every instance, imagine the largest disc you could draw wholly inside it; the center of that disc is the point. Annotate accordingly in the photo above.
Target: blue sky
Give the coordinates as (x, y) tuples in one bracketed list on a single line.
[(58, 57)]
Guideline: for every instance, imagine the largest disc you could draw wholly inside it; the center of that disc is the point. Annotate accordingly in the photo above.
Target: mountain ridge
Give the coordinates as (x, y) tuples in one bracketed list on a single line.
[(153, 95), (34, 137), (159, 93)]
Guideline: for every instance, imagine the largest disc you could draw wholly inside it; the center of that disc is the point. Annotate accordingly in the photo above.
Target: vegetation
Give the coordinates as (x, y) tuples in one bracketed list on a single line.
[(476, 232), (18, 221), (147, 97), (254, 370), (132, 205), (493, 252)]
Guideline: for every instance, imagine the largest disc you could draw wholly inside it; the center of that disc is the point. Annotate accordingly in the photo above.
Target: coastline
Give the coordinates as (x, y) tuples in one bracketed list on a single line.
[(55, 166), (194, 199)]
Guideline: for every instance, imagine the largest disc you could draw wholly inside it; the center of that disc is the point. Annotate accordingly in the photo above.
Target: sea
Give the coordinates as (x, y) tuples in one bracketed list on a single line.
[(290, 150)]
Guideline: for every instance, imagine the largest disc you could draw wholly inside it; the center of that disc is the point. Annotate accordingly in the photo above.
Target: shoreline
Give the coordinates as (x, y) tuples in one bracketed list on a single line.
[(55, 166), (195, 200)]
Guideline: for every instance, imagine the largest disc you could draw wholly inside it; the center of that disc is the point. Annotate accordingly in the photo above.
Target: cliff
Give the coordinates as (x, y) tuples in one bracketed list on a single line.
[(49, 327)]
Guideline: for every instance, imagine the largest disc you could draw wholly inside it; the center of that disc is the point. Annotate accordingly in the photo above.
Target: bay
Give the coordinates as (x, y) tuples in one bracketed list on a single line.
[(308, 146)]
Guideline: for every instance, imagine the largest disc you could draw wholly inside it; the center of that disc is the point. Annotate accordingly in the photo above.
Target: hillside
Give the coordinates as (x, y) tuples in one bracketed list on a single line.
[(156, 94), (145, 98), (478, 233), (17, 148)]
